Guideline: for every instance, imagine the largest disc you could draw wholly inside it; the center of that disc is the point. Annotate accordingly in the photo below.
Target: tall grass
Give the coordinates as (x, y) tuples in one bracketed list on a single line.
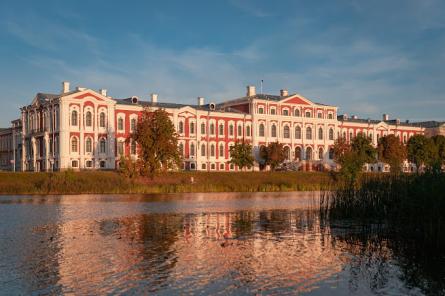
[(413, 206), (70, 182)]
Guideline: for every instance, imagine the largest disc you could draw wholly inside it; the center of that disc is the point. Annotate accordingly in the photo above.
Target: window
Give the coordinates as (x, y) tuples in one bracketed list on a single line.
[(89, 164), (272, 111), (261, 130), (102, 164), (273, 130), (102, 146), (240, 131), (260, 110), (88, 145), (203, 128), (212, 150), (286, 132), (330, 116), (331, 153), (221, 166), (221, 150), (74, 164), (181, 127), (286, 112), (212, 129), (350, 136), (297, 132), (331, 134), (88, 119), (221, 129), (248, 131), (308, 114), (212, 166), (320, 115), (133, 147), (74, 144), (320, 133), (298, 153), (120, 148), (320, 153), (74, 118), (120, 124), (133, 124), (192, 149), (231, 130), (102, 119), (309, 133), (232, 166), (203, 150), (308, 153), (203, 166), (192, 127), (181, 149), (297, 112)]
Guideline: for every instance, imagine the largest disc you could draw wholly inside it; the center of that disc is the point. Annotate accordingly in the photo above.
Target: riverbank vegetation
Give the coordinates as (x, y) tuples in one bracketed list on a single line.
[(89, 182)]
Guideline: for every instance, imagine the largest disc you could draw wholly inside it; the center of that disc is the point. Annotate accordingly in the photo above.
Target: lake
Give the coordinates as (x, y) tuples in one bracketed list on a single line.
[(201, 243)]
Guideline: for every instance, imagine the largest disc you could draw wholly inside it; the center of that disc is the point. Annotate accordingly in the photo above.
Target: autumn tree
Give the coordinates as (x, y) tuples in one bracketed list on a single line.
[(241, 155), (158, 143), (391, 151), (273, 155), (439, 150), (420, 150), (362, 146)]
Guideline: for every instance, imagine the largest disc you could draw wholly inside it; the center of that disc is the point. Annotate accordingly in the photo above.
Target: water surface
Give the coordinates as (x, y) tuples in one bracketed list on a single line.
[(219, 244)]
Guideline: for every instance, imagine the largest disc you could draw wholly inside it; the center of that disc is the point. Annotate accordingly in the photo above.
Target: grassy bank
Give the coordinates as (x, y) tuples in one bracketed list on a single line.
[(412, 206), (111, 182)]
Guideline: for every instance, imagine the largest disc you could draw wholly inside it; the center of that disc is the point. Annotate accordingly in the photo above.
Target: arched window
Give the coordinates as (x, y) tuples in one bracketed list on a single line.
[(320, 153), (102, 119), (203, 150), (308, 114), (240, 131), (181, 127), (320, 115), (297, 112), (212, 150), (133, 124), (103, 146), (203, 128), (133, 147), (286, 132), (120, 124), (248, 131), (221, 150), (74, 118), (192, 149), (298, 153), (331, 134), (231, 131), (120, 148), (286, 112), (308, 153), (221, 129), (287, 152), (88, 145), (212, 129), (192, 127), (309, 133), (261, 130), (181, 149), (320, 133), (74, 144), (331, 153), (297, 132), (88, 119), (274, 130)]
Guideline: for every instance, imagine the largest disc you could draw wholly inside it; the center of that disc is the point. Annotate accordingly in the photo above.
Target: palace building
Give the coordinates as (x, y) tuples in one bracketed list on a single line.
[(87, 129)]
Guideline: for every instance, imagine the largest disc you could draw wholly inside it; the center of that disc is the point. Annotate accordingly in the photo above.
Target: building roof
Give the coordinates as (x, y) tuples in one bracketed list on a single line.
[(374, 121), (429, 124)]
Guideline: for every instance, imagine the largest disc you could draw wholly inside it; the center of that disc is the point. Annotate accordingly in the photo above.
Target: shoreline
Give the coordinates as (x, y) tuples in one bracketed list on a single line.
[(111, 182)]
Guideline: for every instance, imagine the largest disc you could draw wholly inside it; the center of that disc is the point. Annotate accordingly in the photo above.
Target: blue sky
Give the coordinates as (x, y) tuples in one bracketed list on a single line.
[(367, 57)]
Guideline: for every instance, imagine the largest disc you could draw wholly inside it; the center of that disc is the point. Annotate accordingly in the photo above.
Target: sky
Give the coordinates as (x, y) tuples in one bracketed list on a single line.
[(367, 57)]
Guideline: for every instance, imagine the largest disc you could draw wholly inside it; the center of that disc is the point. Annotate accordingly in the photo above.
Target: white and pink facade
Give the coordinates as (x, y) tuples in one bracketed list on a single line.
[(87, 129)]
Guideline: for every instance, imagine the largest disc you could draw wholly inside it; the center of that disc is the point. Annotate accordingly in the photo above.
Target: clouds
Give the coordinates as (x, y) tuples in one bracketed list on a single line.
[(367, 58)]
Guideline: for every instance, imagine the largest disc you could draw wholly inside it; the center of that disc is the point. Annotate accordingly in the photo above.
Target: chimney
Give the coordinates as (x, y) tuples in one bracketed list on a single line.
[(79, 88), (103, 92), (345, 116), (354, 117), (284, 93), (251, 90), (154, 98), (65, 87), (200, 101), (398, 121), (385, 117)]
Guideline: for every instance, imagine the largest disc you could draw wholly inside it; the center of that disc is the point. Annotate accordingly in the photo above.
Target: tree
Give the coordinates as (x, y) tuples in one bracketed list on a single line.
[(420, 151), (391, 151), (158, 142), (273, 155), (341, 148), (241, 155), (439, 150), (362, 146)]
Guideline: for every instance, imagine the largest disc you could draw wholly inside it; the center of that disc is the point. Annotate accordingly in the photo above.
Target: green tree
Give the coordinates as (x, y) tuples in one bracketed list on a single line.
[(391, 151), (158, 142), (362, 146), (420, 150), (439, 151), (273, 155), (241, 155)]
